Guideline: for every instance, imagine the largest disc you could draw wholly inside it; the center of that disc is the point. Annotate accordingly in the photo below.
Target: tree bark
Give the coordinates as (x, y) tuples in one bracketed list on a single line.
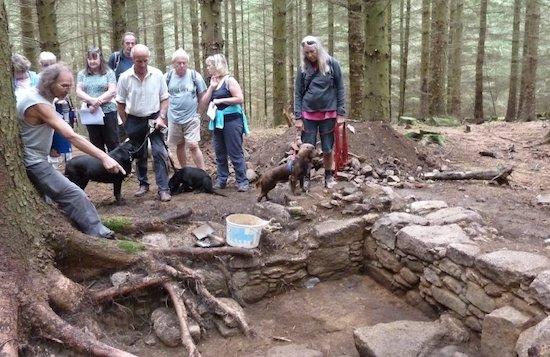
[(436, 86), (511, 108), (160, 60), (193, 16), (132, 18), (183, 22), (211, 41), (176, 24), (243, 71), (377, 91), (47, 26), (144, 19), (309, 17), (26, 9), (478, 104), (98, 28), (330, 23), (279, 57), (235, 42), (404, 56), (118, 23), (527, 112), (425, 60), (356, 48), (264, 57), (455, 94), (226, 28), (291, 46)]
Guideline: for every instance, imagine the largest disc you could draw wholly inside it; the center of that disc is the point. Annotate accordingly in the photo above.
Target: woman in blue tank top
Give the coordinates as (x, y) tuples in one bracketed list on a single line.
[(230, 122)]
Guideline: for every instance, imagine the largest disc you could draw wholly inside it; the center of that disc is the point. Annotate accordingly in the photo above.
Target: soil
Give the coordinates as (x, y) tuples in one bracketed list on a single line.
[(310, 316)]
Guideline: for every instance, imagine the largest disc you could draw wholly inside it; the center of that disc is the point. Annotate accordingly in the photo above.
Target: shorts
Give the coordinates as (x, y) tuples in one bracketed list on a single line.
[(326, 132), (189, 131)]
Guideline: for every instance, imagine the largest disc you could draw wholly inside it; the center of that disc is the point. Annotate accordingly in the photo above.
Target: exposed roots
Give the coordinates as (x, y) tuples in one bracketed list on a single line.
[(179, 306)]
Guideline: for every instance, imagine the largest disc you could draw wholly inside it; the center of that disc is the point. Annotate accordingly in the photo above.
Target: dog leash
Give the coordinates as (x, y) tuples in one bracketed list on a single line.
[(165, 146)]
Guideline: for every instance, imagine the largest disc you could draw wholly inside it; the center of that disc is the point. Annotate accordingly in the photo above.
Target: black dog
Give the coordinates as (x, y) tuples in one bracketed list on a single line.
[(189, 179), (85, 168)]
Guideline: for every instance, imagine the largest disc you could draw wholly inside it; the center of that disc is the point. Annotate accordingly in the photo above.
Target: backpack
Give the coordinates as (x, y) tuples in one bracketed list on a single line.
[(307, 80), (117, 60), (193, 78)]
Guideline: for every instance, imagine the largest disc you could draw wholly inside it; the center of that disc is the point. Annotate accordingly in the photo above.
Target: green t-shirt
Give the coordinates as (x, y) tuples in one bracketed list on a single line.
[(96, 84)]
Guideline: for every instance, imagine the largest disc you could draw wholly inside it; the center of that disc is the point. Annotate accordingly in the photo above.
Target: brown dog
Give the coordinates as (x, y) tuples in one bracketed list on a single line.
[(292, 171)]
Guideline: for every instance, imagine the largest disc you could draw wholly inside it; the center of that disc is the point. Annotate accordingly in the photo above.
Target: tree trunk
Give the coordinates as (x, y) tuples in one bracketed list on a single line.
[(436, 86), (330, 19), (160, 60), (176, 25), (390, 57), (478, 104), (264, 57), (26, 9), (243, 71), (47, 26), (425, 60), (527, 111), (182, 15), (377, 91), (279, 56), (404, 57), (250, 112), (144, 17), (356, 48), (309, 17), (193, 16), (118, 22), (226, 28), (132, 19), (291, 45), (211, 41), (235, 42), (455, 95), (511, 108), (98, 28)]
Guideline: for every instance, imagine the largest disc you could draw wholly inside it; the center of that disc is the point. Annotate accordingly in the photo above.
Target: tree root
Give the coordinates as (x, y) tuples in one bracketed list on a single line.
[(500, 175), (63, 292), (179, 306), (148, 281), (8, 314), (207, 252)]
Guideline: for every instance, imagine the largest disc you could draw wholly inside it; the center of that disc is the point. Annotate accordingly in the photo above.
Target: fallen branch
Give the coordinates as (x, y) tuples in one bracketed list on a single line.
[(179, 306), (500, 175)]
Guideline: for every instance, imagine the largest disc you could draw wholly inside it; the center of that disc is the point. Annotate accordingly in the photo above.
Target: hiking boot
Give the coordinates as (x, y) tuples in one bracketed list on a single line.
[(142, 191), (306, 184), (330, 182), (108, 235), (164, 196), (244, 187), (218, 186)]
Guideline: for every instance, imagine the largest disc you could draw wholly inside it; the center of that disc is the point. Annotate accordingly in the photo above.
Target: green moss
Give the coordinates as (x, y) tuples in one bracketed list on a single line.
[(130, 247), (117, 224)]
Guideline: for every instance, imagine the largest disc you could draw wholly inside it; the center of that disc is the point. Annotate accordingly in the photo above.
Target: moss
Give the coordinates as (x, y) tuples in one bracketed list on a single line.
[(117, 224), (130, 247)]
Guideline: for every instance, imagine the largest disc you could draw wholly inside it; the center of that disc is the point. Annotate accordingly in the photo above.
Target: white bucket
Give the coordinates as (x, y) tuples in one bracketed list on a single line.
[(244, 230)]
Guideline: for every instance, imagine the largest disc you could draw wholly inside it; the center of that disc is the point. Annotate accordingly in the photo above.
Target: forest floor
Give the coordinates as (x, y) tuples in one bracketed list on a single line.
[(310, 316)]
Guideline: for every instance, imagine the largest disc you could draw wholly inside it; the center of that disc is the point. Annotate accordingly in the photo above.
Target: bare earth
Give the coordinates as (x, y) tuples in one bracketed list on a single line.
[(323, 317)]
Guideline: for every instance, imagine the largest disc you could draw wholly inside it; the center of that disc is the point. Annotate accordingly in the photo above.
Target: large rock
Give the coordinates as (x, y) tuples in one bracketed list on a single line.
[(167, 328), (253, 293), (500, 331), (477, 296), (268, 210), (453, 215), (450, 300), (462, 254), (159, 240), (325, 260), (510, 267), (398, 339), (423, 207), (214, 280), (339, 232), (292, 350), (385, 228), (421, 241), (540, 288), (535, 339)]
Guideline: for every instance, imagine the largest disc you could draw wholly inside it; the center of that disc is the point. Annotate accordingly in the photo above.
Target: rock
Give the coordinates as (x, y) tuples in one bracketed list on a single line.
[(453, 215), (228, 320), (477, 296), (543, 199), (268, 210), (398, 339), (253, 293), (540, 288), (535, 339), (409, 276), (159, 240), (450, 268), (349, 189), (339, 232), (414, 299), (423, 207), (449, 351), (450, 300), (121, 277), (214, 280), (325, 260), (380, 275), (462, 254), (421, 241), (456, 332), (385, 228), (366, 170), (224, 330), (388, 259), (354, 197), (251, 175), (510, 267), (357, 209), (292, 350), (432, 277), (500, 331), (167, 329), (454, 285)]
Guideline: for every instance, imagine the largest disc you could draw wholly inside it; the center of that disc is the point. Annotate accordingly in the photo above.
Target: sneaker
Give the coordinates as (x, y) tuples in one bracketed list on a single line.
[(108, 235), (142, 191), (330, 182), (164, 196), (218, 186), (243, 187), (306, 184)]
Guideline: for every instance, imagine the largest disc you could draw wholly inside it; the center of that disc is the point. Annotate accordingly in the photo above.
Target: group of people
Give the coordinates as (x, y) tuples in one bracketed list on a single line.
[(127, 90)]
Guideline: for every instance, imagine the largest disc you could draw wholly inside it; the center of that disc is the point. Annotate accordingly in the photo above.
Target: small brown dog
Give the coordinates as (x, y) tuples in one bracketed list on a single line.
[(292, 171)]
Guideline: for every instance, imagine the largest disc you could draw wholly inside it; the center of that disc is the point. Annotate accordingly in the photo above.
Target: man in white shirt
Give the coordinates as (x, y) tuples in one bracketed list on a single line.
[(142, 99)]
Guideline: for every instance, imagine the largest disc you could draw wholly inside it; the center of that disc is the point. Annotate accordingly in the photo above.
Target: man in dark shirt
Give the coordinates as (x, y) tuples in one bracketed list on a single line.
[(120, 61)]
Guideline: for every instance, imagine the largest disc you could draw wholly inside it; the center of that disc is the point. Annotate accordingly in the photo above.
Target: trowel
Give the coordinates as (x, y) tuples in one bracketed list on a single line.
[(206, 237)]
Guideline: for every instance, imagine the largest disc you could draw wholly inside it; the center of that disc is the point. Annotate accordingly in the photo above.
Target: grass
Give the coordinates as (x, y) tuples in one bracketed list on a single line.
[(130, 247), (117, 223)]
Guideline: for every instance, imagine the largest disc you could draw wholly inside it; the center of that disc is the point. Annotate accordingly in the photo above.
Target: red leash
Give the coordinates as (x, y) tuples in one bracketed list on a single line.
[(340, 146)]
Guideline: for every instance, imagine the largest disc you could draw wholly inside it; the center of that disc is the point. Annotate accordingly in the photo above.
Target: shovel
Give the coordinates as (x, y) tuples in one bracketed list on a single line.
[(206, 237)]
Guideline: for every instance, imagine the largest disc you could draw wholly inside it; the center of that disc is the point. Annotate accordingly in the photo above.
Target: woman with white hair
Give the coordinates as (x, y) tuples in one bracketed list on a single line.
[(319, 101), (229, 123), (23, 77), (46, 59)]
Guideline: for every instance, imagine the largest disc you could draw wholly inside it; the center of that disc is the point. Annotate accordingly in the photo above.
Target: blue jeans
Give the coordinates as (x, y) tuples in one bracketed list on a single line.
[(326, 132), (229, 142), (137, 129)]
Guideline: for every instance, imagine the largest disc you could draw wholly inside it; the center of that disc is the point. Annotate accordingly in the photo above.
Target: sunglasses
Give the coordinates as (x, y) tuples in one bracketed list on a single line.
[(308, 43)]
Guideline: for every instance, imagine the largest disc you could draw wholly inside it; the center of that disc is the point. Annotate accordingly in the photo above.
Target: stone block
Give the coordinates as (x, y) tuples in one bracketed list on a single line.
[(462, 254), (450, 300), (268, 210), (214, 280), (385, 228), (510, 267), (423, 207), (414, 299), (477, 297), (166, 327), (450, 268), (453, 215), (253, 293), (380, 275), (493, 290), (409, 276), (535, 341), (421, 241), (431, 276), (388, 259), (454, 285), (540, 288), (339, 232), (292, 350), (473, 323), (325, 260), (414, 265), (500, 332)]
